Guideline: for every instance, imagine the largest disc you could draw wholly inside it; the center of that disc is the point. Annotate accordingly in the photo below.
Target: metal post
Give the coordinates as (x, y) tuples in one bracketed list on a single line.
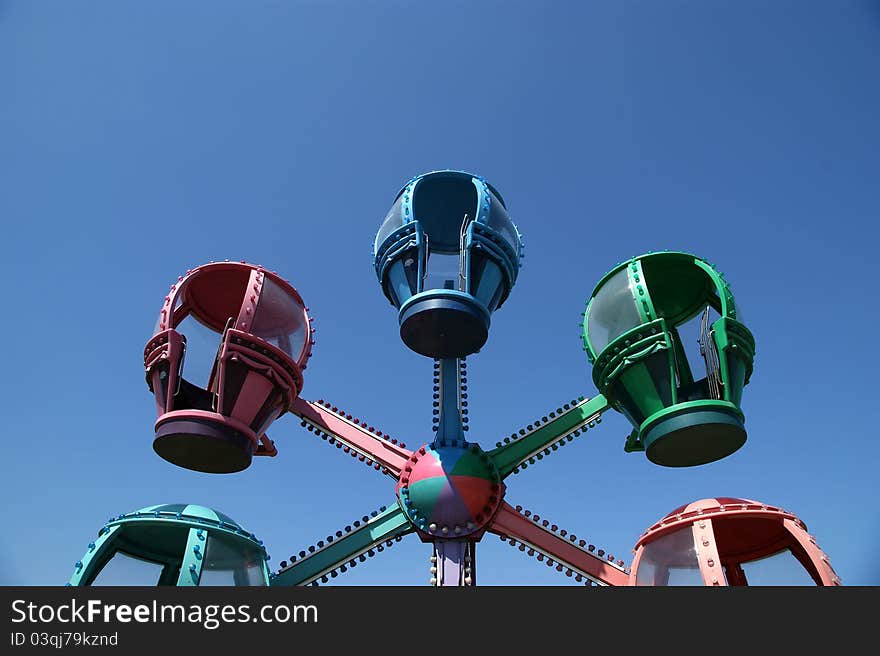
[(449, 428), (453, 563)]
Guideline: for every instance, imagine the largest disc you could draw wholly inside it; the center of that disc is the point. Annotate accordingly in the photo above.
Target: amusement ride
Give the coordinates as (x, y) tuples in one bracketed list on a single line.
[(447, 256)]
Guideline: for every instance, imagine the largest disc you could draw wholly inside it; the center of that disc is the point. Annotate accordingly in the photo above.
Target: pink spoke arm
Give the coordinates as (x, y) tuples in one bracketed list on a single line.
[(352, 436), (547, 541)]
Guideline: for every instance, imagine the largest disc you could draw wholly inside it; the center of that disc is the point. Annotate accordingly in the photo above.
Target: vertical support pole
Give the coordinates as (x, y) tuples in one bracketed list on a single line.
[(449, 562), (193, 557), (454, 563), (449, 428)]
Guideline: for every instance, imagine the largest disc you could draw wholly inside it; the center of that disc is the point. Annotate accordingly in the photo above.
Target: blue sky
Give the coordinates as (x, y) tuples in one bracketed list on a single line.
[(140, 139)]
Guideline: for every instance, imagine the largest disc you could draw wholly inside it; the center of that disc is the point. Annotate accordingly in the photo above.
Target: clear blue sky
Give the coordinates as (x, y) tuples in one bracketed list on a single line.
[(140, 139)]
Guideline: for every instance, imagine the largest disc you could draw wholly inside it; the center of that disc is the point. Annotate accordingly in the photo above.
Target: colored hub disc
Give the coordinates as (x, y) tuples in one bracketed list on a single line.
[(450, 492)]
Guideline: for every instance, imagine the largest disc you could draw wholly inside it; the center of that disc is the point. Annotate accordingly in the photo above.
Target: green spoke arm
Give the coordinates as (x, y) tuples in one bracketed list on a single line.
[(543, 435), (334, 555)]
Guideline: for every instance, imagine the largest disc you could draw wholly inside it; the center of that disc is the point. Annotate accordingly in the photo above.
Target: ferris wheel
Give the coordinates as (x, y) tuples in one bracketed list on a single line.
[(447, 256)]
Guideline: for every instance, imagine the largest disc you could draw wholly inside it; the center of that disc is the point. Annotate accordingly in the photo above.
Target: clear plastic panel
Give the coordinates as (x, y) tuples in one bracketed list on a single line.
[(202, 345), (123, 569), (231, 562), (399, 283), (443, 271), (737, 308), (670, 560), (393, 220), (500, 221), (485, 280), (696, 363), (612, 312), (267, 421), (410, 261), (782, 568), (737, 376), (280, 319), (735, 302)]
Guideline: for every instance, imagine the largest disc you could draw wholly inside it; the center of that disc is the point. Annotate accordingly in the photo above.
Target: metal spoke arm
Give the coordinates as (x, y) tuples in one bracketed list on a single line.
[(329, 558), (352, 435), (565, 551), (450, 400), (537, 439)]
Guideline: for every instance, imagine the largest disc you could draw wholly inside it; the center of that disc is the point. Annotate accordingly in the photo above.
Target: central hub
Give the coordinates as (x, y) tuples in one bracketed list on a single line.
[(450, 491)]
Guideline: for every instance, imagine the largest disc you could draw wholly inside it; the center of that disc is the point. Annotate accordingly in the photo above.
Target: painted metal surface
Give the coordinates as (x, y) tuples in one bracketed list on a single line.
[(731, 532), (450, 424), (328, 558), (352, 436), (438, 218), (707, 553), (192, 558), (453, 564), (631, 335), (85, 569), (450, 491), (560, 549), (546, 434), (173, 536), (264, 336)]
